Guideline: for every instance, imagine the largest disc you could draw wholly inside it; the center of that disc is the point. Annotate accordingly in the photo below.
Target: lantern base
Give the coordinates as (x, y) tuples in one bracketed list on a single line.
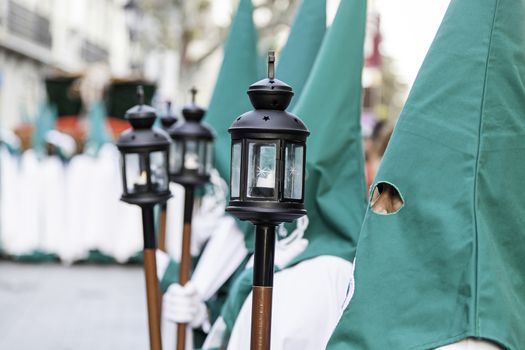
[(190, 179), (265, 215), (146, 198)]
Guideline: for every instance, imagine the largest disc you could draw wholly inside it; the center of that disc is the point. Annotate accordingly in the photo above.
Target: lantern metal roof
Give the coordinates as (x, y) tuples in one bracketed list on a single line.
[(269, 97), (192, 126), (142, 136), (168, 120)]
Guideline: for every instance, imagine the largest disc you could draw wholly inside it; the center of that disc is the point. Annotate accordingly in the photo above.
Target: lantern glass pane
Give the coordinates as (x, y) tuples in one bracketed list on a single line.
[(191, 156), (159, 175), (202, 157), (293, 171), (209, 157), (175, 157), (235, 177), (261, 170), (136, 173)]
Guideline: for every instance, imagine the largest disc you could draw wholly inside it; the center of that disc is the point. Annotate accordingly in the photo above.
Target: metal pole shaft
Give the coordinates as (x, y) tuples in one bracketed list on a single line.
[(262, 287), (185, 259), (152, 285)]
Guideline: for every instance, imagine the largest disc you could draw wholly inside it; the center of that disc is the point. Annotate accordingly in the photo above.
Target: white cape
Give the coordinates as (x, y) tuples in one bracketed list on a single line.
[(52, 198), (29, 214), (123, 237), (78, 186), (10, 239), (103, 202)]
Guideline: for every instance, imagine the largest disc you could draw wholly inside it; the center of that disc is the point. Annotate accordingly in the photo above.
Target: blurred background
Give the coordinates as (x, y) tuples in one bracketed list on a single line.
[(68, 73), (175, 44)]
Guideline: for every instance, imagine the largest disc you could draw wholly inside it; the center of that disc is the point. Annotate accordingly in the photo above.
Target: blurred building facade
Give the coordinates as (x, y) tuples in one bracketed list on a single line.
[(38, 37)]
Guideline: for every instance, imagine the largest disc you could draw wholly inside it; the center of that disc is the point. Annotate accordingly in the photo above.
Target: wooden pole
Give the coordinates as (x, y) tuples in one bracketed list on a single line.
[(262, 287), (162, 228), (152, 284), (185, 259)]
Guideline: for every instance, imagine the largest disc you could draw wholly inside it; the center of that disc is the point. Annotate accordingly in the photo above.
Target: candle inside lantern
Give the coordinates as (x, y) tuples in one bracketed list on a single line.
[(191, 158), (141, 183), (265, 178), (263, 159), (191, 161)]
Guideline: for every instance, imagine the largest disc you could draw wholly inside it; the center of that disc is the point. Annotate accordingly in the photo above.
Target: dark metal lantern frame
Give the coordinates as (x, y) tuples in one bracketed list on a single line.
[(192, 158), (150, 149), (168, 120), (268, 125)]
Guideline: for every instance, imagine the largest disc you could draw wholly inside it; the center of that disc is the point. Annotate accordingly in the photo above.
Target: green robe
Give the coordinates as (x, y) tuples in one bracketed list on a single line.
[(450, 263)]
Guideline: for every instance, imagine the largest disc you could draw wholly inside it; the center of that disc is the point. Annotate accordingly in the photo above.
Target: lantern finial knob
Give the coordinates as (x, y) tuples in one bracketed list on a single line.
[(192, 111), (169, 119), (193, 92), (270, 93), (140, 94), (271, 65), (141, 116)]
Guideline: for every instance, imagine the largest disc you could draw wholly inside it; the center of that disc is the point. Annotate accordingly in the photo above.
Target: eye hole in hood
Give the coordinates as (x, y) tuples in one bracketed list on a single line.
[(386, 199)]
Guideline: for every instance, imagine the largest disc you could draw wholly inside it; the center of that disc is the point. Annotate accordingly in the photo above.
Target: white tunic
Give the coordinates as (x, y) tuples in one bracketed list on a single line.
[(470, 344), (308, 301)]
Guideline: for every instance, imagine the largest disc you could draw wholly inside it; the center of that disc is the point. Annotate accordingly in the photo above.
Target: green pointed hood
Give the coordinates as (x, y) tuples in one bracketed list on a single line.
[(450, 263), (98, 133), (45, 121), (238, 71), (335, 190), (295, 62), (229, 99)]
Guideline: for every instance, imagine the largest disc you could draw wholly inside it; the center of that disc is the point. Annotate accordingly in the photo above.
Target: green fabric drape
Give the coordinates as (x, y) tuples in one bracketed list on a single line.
[(297, 57), (45, 121), (450, 263), (98, 133)]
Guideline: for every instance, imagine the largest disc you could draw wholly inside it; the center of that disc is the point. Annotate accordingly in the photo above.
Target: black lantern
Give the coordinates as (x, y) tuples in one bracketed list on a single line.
[(268, 156), (169, 118), (144, 153), (267, 183), (190, 164), (144, 159), (167, 121), (192, 150)]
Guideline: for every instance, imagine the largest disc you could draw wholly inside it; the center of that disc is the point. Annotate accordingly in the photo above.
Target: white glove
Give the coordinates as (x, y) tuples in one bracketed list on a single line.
[(182, 304), (290, 247), (287, 249), (286, 253)]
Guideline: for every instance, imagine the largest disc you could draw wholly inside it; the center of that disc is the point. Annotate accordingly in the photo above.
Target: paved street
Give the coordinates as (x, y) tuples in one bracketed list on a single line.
[(56, 307)]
